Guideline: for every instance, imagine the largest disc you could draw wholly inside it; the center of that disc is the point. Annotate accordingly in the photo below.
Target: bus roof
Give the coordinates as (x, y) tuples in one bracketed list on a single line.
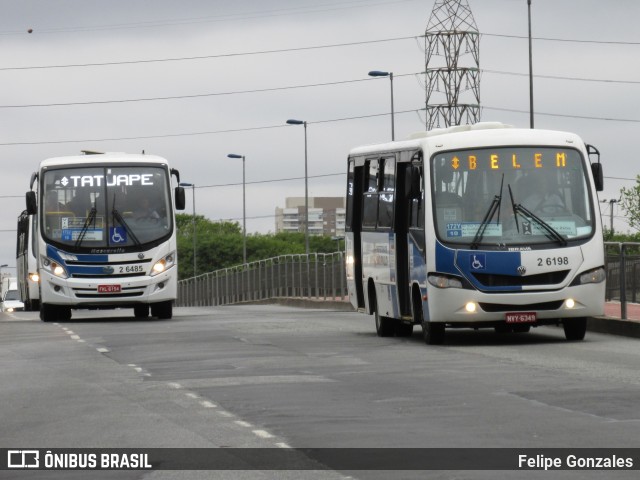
[(483, 134), (102, 158)]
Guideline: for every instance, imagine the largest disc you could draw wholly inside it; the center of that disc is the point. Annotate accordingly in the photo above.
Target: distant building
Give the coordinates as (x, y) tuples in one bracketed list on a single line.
[(326, 216)]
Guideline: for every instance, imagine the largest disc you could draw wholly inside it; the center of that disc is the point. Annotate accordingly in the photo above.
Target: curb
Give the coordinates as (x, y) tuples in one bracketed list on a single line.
[(614, 326), (608, 325)]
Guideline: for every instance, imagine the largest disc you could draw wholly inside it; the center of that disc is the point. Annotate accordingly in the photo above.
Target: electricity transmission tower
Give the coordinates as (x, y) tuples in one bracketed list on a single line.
[(452, 60)]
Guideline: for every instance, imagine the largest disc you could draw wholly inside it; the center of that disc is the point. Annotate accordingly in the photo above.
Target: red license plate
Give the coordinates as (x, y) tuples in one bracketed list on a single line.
[(521, 317), (109, 289)]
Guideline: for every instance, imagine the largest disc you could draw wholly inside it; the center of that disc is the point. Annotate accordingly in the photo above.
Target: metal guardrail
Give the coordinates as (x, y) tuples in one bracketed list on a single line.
[(322, 276), (317, 276), (623, 275)]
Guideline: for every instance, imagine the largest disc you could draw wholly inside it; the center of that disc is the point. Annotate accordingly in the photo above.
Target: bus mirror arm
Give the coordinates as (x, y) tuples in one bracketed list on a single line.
[(32, 205)]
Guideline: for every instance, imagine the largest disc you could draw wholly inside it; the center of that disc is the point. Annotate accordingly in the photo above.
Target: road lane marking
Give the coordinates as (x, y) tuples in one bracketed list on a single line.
[(242, 423), (208, 404), (103, 350), (262, 434)]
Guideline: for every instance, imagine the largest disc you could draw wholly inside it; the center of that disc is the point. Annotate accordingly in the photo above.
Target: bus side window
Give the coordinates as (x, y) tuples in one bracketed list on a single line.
[(370, 196), (387, 191)]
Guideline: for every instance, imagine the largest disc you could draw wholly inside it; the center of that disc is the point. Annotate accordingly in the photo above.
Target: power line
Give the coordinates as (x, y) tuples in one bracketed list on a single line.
[(266, 127), (207, 57), (293, 49), (316, 8), (584, 117), (191, 134), (288, 87)]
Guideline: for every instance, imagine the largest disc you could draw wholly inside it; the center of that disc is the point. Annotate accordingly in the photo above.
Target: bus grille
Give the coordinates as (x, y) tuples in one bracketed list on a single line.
[(529, 307), (494, 280)]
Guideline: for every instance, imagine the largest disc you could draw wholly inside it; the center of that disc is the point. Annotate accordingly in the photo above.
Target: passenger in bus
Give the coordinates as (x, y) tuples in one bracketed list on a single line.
[(543, 197), (51, 203), (81, 203), (143, 210)]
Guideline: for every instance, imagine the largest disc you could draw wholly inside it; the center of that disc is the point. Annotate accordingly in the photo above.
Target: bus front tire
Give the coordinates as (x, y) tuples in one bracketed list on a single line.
[(162, 310), (141, 311), (433, 333), (574, 328), (54, 313)]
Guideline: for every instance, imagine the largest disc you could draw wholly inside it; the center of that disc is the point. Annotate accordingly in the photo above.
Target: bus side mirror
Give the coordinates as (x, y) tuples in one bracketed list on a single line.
[(180, 201), (32, 205), (598, 176)]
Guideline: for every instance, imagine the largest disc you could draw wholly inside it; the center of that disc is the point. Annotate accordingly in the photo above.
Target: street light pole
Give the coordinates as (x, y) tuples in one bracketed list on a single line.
[(193, 190), (530, 69), (378, 73), (306, 184), (244, 208)]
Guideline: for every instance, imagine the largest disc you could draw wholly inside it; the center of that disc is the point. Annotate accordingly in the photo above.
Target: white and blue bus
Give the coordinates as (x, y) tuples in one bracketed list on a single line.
[(476, 226), (26, 262), (106, 234)]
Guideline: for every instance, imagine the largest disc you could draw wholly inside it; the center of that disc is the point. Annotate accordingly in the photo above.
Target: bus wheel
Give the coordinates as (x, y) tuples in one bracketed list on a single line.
[(433, 333), (162, 310), (48, 313), (574, 328), (141, 311), (404, 329), (384, 325)]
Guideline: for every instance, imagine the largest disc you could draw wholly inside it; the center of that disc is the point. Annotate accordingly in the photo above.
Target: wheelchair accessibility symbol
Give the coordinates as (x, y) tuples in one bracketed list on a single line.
[(117, 235), (478, 261)]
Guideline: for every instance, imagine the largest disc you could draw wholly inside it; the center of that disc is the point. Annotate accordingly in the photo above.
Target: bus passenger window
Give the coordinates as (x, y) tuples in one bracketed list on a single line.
[(386, 196)]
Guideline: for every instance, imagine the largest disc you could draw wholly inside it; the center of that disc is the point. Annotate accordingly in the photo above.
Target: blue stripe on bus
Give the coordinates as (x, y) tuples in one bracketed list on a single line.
[(468, 262)]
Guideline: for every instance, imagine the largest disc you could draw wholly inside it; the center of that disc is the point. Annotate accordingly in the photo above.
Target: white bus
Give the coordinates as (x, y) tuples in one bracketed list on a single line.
[(26, 263), (106, 234), (476, 226)]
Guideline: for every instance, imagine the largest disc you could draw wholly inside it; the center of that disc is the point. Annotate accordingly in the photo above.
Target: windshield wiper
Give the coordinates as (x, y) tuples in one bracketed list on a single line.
[(551, 232), (116, 214), (513, 206), (495, 206), (91, 218)]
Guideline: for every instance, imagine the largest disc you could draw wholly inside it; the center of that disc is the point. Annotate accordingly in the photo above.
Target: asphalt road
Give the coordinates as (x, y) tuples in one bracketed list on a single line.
[(259, 376)]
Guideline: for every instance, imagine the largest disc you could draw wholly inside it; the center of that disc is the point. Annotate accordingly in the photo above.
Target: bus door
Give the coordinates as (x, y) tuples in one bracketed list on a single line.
[(353, 224)]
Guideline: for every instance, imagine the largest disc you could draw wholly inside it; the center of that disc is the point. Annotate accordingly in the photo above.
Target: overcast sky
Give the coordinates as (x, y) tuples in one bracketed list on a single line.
[(56, 64)]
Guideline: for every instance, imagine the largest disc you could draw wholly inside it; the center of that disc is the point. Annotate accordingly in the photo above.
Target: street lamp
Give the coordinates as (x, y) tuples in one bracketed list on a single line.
[(244, 209), (378, 73), (306, 184), (193, 190)]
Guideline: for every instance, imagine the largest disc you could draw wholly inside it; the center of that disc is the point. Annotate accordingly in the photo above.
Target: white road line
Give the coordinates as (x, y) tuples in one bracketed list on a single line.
[(263, 434), (75, 337), (192, 395), (282, 445), (81, 341), (242, 423), (138, 369), (102, 350), (225, 414), (208, 404), (177, 386)]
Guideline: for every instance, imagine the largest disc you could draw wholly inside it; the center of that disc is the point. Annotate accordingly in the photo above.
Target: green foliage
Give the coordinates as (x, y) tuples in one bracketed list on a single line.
[(219, 245), (630, 203)]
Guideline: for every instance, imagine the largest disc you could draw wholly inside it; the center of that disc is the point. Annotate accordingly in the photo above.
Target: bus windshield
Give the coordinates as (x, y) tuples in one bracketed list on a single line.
[(120, 207), (511, 196)]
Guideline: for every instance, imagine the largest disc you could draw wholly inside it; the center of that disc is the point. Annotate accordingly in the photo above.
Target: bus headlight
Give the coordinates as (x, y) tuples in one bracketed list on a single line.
[(163, 264), (443, 281), (34, 277), (597, 275), (53, 267)]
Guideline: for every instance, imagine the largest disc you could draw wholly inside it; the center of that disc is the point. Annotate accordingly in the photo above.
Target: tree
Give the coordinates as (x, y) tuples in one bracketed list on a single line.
[(219, 245), (630, 203)]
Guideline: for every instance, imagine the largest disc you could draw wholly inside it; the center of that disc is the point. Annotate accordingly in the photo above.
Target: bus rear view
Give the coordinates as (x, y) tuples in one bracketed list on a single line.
[(106, 234)]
